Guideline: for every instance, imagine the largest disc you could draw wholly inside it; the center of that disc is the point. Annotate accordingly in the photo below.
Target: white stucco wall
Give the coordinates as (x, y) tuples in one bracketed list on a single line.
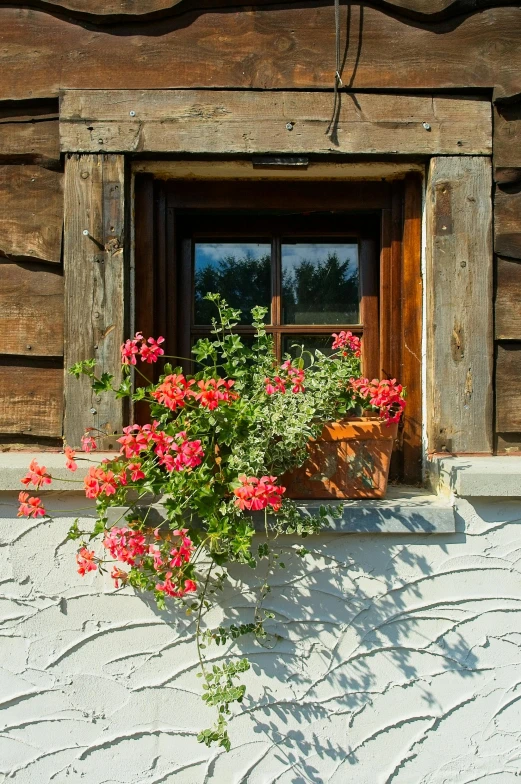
[(393, 659)]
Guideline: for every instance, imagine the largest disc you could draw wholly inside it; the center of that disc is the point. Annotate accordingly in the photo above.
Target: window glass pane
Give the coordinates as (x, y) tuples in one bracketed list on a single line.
[(239, 271), (291, 344), (320, 283)]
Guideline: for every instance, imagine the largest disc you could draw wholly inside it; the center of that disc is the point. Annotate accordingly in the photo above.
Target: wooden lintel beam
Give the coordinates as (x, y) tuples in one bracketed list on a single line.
[(245, 122)]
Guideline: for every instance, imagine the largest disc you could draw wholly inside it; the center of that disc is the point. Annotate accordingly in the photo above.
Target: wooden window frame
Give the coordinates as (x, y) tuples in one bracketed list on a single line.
[(394, 296), (368, 324)]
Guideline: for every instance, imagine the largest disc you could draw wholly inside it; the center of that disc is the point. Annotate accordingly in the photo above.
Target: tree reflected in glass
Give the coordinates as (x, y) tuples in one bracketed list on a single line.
[(239, 271), (320, 283)]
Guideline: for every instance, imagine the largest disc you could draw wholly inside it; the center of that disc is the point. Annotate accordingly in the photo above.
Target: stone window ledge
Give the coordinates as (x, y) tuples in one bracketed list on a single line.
[(486, 476), (404, 510)]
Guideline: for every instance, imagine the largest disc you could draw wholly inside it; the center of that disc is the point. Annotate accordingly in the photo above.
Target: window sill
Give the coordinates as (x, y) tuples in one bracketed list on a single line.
[(484, 476), (405, 510)]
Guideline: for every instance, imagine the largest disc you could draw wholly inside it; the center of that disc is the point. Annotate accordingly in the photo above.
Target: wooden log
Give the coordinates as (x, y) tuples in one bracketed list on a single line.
[(109, 10), (459, 305), (30, 134), (31, 310), (209, 121), (93, 266), (30, 143), (507, 135), (286, 47), (508, 388), (31, 213), (31, 398), (508, 299), (507, 220)]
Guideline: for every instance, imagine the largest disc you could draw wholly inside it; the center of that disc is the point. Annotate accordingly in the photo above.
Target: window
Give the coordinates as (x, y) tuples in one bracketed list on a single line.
[(313, 273), (320, 256)]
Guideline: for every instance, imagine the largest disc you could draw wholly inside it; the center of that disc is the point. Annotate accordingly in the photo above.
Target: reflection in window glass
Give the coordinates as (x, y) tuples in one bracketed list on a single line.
[(291, 344), (320, 283), (239, 271)]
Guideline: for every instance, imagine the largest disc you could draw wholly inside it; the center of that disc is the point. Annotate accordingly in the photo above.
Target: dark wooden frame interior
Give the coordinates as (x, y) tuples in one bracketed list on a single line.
[(166, 217)]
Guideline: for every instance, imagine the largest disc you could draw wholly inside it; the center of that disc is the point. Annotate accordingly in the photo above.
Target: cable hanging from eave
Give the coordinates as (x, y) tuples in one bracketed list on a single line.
[(338, 67)]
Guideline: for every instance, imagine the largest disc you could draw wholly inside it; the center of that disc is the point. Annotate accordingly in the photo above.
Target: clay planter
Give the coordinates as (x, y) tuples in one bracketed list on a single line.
[(350, 460)]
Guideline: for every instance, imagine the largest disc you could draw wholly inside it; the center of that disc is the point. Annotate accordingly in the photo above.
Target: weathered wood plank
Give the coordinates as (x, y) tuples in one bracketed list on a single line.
[(140, 9), (508, 299), (31, 399), (31, 310), (507, 135), (31, 213), (507, 220), (284, 47), (94, 287), (204, 121), (459, 305), (30, 142), (508, 388), (29, 133)]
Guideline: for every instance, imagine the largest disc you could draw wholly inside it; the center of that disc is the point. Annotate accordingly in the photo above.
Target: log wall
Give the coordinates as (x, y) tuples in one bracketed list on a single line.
[(31, 276), (47, 46)]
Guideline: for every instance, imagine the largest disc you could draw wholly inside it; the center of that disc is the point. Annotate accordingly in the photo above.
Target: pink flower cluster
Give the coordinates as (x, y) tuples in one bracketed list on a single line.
[(176, 589), (176, 453), (99, 481), (213, 391), (130, 547), (86, 561), (148, 349), (386, 395), (37, 475), (70, 462), (256, 494), (349, 341), (174, 391), (88, 442), (125, 545), (290, 376), (30, 506)]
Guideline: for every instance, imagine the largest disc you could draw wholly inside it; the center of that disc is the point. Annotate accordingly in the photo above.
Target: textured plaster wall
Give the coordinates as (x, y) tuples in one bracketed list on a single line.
[(391, 659)]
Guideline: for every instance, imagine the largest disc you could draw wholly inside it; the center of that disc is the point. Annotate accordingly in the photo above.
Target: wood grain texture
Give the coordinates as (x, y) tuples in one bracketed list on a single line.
[(31, 213), (31, 310), (507, 220), (210, 121), (28, 142), (459, 305), (29, 133), (411, 348), (283, 47), (31, 399), (508, 386), (508, 299), (94, 287), (110, 10), (507, 135)]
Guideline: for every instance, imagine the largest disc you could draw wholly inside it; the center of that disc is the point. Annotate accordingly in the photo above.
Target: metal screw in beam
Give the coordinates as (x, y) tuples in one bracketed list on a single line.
[(426, 126)]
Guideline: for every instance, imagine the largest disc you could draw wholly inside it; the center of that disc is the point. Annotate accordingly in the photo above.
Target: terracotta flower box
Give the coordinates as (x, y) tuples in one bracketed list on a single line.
[(351, 459)]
